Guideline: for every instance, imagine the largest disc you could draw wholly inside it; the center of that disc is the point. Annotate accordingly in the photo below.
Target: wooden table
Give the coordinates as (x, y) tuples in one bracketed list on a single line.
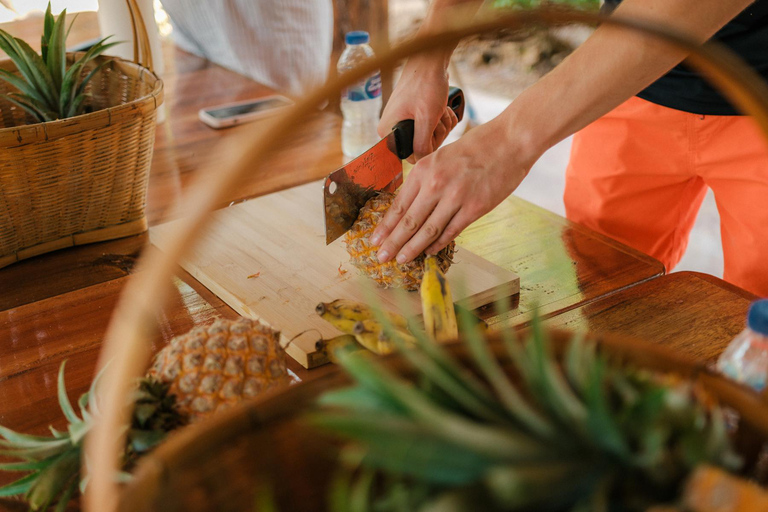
[(57, 306)]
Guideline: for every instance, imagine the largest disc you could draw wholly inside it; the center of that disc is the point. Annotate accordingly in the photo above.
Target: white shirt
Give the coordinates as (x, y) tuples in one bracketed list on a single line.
[(284, 44)]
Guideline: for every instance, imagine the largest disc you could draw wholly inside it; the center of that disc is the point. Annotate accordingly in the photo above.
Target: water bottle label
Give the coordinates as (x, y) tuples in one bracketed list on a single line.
[(367, 90)]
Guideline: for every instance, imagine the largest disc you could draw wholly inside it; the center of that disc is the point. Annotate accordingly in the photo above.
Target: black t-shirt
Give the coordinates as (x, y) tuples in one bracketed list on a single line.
[(684, 89)]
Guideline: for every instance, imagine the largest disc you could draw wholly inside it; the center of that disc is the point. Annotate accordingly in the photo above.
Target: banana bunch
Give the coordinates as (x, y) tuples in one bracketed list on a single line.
[(359, 320), (360, 326)]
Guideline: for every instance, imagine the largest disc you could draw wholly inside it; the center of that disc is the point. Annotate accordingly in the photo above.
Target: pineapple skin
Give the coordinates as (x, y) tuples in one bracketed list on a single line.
[(363, 254), (212, 368)]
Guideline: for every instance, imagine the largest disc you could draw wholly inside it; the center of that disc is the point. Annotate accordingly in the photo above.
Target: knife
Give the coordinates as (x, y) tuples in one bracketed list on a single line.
[(347, 189)]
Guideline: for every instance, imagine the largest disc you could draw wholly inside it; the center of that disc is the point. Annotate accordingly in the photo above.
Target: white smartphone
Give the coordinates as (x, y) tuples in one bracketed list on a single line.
[(231, 114)]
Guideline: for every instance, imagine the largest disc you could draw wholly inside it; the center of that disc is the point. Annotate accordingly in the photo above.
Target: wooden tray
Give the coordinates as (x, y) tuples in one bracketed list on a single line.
[(267, 259)]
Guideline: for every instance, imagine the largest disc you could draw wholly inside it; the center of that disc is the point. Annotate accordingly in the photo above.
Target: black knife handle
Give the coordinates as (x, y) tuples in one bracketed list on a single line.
[(404, 129)]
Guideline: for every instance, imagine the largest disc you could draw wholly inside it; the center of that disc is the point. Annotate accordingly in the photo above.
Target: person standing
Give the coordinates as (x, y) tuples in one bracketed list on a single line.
[(652, 136)]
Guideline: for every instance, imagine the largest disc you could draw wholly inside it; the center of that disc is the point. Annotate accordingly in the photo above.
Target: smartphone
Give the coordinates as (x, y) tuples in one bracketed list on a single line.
[(243, 111)]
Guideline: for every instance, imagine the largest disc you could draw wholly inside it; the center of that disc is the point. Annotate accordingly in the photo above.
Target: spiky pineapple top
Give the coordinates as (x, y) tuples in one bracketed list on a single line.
[(577, 434), (363, 253), (48, 89), (214, 367)]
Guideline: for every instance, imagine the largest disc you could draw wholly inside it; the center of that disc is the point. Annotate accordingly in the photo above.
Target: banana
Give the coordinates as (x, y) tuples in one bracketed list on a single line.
[(371, 335), (344, 314), (332, 346), (437, 303)]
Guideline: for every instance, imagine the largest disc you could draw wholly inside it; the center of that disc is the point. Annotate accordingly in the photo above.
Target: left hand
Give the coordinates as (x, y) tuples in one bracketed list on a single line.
[(448, 190)]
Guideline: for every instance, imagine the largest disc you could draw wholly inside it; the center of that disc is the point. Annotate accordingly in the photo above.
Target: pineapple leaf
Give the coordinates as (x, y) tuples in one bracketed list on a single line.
[(518, 408), (361, 491), (24, 466), (42, 78), (400, 446), (75, 106), (603, 428), (15, 439), (488, 440), (71, 24), (29, 109), (81, 88), (64, 403), (360, 399), (34, 107), (20, 486), (56, 58), (52, 448), (22, 85), (61, 506), (48, 23), (53, 480)]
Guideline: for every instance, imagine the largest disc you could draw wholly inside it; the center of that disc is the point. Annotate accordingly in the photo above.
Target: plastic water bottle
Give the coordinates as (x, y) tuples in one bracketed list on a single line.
[(360, 102), (746, 358)]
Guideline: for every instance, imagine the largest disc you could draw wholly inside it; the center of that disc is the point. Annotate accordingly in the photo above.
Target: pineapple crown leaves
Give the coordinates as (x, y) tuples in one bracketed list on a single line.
[(47, 89), (578, 426), (54, 462)]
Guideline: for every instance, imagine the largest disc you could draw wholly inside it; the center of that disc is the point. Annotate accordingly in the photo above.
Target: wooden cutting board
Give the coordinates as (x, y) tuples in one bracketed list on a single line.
[(267, 259)]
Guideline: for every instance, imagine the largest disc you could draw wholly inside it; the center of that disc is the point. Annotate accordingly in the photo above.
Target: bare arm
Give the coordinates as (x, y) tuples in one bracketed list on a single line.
[(454, 186)]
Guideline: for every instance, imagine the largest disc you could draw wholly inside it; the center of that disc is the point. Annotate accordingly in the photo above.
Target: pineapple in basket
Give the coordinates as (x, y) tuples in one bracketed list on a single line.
[(196, 375)]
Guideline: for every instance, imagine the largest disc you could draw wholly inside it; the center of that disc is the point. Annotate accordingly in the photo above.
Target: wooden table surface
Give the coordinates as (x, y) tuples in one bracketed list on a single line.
[(57, 306)]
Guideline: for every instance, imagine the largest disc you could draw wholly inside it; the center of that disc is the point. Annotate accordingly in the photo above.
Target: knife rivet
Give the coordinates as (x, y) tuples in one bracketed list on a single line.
[(332, 187)]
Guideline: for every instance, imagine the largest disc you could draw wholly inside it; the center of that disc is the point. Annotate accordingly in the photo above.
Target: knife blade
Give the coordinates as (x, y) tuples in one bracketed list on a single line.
[(380, 169)]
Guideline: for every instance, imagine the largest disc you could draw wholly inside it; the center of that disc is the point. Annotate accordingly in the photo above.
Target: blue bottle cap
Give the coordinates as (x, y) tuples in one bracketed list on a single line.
[(357, 37), (757, 318)]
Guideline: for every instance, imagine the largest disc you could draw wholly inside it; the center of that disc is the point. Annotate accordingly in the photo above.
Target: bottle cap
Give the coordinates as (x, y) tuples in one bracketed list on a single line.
[(357, 37), (757, 318)]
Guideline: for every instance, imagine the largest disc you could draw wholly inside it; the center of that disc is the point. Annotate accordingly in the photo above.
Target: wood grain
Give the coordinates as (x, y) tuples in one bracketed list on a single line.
[(268, 260), (691, 313)]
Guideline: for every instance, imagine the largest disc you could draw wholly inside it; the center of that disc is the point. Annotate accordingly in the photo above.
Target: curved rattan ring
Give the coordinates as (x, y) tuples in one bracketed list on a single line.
[(125, 343)]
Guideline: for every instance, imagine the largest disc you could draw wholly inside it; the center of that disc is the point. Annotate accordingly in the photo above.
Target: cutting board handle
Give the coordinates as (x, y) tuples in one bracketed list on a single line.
[(405, 128)]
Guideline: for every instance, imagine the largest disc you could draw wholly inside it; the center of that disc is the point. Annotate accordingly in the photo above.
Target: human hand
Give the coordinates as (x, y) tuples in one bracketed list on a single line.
[(421, 94), (449, 189)]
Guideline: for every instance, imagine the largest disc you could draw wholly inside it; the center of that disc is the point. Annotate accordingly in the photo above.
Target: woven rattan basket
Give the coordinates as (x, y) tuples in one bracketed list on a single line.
[(206, 461), (83, 179)]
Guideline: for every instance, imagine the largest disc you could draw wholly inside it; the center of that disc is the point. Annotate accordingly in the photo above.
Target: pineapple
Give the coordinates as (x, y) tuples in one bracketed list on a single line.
[(194, 376), (212, 368), (48, 90), (560, 435), (363, 253)]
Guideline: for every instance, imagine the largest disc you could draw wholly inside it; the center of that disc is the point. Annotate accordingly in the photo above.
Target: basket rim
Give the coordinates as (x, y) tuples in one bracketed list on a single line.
[(38, 132)]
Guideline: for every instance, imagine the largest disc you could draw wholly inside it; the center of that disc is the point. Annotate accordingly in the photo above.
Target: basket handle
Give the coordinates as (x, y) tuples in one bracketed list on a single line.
[(134, 318), (142, 53)]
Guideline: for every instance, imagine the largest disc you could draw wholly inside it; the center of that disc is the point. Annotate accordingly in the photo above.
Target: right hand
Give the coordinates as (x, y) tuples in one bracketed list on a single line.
[(421, 94)]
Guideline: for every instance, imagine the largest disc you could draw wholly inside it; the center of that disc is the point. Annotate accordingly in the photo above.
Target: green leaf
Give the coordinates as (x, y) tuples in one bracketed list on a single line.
[(34, 107), (64, 403), (22, 85), (56, 58), (358, 398), (20, 486), (604, 431), (24, 466), (362, 490), (41, 78), (484, 439), (64, 500), (47, 30), (403, 447), (52, 448), (54, 479), (514, 403), (22, 440)]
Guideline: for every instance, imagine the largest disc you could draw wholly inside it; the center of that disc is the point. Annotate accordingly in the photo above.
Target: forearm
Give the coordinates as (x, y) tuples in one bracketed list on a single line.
[(611, 66)]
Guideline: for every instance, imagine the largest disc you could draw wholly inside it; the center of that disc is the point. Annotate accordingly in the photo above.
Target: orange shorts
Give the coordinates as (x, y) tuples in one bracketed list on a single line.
[(640, 173)]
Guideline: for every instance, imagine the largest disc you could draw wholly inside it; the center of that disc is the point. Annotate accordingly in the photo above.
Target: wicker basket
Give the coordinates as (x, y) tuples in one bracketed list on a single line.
[(222, 463), (83, 179), (198, 453)]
